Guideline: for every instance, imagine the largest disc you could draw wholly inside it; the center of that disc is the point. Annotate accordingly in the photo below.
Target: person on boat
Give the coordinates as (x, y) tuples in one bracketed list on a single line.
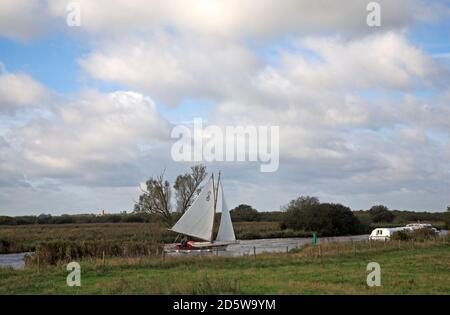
[(184, 242)]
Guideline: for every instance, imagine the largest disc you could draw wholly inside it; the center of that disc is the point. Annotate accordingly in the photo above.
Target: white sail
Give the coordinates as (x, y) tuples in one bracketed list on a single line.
[(226, 231), (198, 220)]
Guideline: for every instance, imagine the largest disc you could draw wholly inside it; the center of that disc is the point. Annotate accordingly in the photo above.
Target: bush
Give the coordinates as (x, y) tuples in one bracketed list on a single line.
[(244, 213), (381, 213), (327, 219)]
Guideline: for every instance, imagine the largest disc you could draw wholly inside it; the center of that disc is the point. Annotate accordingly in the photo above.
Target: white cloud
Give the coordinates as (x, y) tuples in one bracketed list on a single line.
[(171, 68), (19, 90), (95, 140), (239, 19), (22, 19), (380, 61), (260, 19)]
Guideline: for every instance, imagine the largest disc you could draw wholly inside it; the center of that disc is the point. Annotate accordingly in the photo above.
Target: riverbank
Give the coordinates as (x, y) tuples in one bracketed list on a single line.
[(242, 248), (334, 268)]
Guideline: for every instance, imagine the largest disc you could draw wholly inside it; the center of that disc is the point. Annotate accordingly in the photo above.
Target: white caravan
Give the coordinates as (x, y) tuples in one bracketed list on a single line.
[(384, 234)]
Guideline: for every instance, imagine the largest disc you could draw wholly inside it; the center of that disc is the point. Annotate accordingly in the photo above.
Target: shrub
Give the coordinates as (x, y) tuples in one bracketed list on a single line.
[(381, 213), (244, 213), (327, 219)]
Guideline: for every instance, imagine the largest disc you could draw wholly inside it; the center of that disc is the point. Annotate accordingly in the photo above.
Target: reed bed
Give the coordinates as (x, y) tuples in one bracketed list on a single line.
[(55, 252), (26, 238)]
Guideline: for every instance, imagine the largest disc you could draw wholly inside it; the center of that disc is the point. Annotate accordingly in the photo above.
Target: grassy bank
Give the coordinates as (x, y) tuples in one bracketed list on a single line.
[(406, 268)]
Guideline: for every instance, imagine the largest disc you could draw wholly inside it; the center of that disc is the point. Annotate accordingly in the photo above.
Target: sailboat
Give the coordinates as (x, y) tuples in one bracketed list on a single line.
[(198, 220)]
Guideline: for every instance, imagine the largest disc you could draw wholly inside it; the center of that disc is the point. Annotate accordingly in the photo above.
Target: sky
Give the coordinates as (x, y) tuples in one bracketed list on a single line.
[(86, 112)]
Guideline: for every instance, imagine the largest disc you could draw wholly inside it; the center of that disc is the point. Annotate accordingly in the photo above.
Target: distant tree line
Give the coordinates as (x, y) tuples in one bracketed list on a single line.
[(290, 217), (79, 219)]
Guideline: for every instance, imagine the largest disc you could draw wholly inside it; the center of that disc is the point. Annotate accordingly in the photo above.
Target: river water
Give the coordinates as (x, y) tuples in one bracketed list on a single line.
[(15, 261), (272, 245)]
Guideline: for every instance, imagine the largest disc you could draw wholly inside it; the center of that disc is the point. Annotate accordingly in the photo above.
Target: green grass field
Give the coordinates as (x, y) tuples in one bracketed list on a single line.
[(340, 269)]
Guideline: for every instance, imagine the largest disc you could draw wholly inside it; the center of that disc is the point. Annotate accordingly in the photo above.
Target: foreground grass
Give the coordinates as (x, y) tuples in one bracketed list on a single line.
[(421, 269)]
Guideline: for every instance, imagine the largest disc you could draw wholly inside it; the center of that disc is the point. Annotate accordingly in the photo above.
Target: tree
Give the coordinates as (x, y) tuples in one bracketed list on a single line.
[(308, 214), (381, 213), (303, 202), (187, 187), (298, 210), (44, 218), (156, 199), (244, 213)]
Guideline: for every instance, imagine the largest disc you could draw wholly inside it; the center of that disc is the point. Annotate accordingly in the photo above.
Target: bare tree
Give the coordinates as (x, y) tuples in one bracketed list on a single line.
[(187, 187), (156, 199)]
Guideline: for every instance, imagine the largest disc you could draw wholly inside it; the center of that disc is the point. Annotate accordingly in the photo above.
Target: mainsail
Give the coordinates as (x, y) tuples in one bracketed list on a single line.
[(198, 220), (226, 231)]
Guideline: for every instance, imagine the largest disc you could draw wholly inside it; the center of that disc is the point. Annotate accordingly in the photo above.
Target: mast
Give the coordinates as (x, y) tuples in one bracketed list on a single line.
[(215, 195)]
